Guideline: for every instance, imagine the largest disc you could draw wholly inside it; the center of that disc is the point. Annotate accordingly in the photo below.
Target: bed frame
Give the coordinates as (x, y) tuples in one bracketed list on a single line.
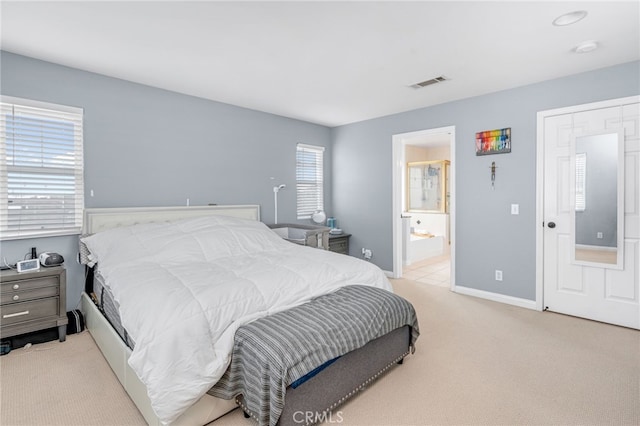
[(345, 377)]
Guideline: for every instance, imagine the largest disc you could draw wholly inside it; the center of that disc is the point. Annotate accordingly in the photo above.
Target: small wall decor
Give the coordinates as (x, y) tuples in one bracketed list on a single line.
[(493, 141), (493, 175)]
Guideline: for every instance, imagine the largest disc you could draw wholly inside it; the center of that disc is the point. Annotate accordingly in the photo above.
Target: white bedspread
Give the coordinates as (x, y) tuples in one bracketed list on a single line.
[(185, 287)]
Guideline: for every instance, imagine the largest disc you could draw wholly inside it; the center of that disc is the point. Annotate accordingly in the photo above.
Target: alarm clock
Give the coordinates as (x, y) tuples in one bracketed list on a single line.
[(51, 259), (28, 265)]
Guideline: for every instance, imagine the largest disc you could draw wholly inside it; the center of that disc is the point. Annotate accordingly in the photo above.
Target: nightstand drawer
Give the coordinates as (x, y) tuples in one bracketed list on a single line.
[(25, 295), (26, 311), (28, 284), (340, 246), (339, 243), (33, 301)]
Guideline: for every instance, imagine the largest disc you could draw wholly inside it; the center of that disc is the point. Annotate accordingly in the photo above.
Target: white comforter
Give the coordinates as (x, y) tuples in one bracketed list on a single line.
[(185, 287)]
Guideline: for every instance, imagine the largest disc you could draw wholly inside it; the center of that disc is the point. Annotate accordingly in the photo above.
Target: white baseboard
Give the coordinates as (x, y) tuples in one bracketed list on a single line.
[(509, 300)]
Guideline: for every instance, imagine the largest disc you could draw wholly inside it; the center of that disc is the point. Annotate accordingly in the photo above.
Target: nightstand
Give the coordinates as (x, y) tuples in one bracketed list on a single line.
[(339, 243), (33, 301)]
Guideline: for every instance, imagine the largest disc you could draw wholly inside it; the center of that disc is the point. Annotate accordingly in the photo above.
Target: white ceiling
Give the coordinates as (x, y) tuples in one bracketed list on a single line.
[(329, 63)]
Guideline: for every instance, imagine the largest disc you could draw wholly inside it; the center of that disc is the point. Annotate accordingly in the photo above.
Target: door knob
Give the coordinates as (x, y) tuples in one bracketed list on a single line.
[(551, 225)]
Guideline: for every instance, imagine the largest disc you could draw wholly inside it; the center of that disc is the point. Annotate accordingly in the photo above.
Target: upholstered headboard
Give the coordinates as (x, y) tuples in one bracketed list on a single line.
[(101, 219)]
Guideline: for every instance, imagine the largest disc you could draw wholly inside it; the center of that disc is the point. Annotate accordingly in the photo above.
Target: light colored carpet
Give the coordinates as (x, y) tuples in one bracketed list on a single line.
[(477, 363), (66, 383)]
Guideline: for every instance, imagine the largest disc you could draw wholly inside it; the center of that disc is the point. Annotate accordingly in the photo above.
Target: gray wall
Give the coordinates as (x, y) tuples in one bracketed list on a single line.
[(145, 146), (488, 237), (150, 147)]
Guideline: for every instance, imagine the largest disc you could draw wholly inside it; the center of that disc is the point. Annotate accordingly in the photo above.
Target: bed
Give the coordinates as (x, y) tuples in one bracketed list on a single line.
[(344, 364)]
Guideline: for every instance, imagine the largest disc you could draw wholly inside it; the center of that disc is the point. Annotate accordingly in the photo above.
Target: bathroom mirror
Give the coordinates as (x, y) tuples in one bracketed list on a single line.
[(597, 183), (427, 186)]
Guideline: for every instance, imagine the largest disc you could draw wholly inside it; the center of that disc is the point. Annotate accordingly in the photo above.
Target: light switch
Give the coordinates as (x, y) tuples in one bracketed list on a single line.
[(515, 208)]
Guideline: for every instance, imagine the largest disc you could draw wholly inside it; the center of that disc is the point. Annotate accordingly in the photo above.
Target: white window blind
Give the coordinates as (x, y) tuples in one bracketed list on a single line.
[(581, 187), (41, 169), (309, 179)]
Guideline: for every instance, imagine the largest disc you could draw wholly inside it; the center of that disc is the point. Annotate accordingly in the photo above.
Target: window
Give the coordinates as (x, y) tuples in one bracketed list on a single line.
[(41, 169), (309, 181)]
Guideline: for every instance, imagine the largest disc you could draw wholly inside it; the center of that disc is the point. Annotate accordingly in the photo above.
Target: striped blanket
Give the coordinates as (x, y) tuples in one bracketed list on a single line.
[(271, 353)]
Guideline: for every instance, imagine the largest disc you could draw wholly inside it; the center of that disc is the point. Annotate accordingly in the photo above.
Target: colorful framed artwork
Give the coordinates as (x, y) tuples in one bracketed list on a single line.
[(493, 141)]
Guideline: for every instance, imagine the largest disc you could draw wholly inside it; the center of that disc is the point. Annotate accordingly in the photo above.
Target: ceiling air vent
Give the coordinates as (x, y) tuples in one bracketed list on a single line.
[(429, 82)]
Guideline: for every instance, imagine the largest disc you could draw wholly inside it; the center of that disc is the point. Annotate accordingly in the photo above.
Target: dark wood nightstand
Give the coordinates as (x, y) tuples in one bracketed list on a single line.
[(33, 301), (339, 243)]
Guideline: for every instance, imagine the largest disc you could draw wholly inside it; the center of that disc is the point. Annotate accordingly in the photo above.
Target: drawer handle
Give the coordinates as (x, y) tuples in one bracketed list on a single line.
[(16, 286), (17, 314), (16, 297)]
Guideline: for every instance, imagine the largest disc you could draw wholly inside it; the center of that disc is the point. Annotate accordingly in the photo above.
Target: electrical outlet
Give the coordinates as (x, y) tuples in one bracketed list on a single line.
[(515, 208), (599, 235), (498, 275)]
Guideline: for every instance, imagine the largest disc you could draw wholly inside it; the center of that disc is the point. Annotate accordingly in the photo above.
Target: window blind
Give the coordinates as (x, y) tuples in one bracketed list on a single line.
[(581, 187), (309, 180), (41, 169)]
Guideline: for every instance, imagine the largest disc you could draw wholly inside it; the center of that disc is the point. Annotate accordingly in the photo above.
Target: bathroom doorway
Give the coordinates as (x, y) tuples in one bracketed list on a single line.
[(432, 253)]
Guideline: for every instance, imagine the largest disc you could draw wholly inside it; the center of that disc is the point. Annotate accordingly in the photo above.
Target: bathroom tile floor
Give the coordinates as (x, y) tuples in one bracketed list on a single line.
[(433, 270)]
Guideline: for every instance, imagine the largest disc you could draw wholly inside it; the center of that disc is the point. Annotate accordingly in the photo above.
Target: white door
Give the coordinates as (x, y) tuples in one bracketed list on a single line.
[(590, 291)]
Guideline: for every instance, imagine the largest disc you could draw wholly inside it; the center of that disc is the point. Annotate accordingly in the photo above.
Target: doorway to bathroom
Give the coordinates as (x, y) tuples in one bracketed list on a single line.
[(424, 206)]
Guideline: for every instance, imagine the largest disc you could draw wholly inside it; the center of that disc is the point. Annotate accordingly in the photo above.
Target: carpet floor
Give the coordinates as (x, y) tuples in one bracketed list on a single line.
[(477, 363)]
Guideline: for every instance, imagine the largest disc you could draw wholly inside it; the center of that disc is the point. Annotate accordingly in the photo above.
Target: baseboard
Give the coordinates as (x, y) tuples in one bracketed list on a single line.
[(509, 300)]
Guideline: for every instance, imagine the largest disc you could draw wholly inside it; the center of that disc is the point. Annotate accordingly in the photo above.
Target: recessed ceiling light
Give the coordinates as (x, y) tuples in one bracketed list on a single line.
[(569, 18), (586, 46)]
